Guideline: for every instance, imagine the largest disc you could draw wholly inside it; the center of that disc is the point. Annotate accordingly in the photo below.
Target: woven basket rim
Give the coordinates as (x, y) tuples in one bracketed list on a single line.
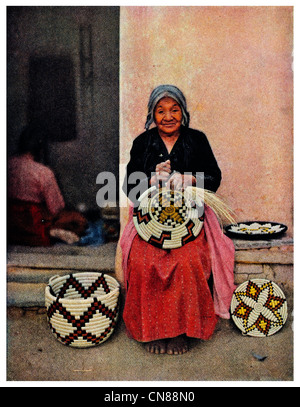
[(66, 300), (81, 273), (81, 300)]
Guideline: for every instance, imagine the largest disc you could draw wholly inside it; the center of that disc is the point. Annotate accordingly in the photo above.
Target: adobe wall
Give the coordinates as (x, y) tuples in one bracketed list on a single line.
[(234, 65)]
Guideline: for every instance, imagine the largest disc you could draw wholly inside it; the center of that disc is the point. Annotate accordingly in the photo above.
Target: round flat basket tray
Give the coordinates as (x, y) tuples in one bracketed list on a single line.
[(259, 308), (255, 230), (168, 219), (82, 308)]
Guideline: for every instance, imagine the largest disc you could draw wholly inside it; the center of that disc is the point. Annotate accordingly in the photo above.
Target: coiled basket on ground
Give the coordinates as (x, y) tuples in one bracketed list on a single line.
[(82, 308), (259, 308)]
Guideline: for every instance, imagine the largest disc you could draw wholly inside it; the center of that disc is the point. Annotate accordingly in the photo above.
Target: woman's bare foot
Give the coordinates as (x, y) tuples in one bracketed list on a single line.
[(178, 345), (157, 347)]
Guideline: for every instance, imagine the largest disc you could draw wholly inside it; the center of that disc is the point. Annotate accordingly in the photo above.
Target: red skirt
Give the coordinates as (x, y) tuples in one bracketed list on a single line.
[(168, 292), (28, 223)]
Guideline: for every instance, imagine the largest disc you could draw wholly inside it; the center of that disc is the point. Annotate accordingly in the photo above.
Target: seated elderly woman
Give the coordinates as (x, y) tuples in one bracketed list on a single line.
[(169, 297), (36, 208)]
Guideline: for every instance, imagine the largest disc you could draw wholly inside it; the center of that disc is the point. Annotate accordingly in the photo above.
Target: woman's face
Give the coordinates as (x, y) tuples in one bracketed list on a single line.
[(168, 116)]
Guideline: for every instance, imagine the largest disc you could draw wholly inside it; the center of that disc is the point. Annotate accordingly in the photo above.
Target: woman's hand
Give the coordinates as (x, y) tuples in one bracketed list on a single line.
[(175, 181), (179, 181), (162, 172)]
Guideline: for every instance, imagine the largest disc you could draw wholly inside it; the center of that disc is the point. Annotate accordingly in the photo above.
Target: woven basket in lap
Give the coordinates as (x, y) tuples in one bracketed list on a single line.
[(168, 219), (82, 308)]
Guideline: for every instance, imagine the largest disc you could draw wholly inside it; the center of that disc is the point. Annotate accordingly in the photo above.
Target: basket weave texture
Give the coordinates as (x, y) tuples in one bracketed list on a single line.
[(259, 308), (168, 219), (82, 308)]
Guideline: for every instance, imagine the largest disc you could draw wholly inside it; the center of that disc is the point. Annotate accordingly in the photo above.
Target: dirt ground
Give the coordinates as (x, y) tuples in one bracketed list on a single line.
[(34, 354)]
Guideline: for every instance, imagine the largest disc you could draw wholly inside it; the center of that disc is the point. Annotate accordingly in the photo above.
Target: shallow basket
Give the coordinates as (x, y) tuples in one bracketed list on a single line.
[(82, 308), (168, 219), (259, 308)]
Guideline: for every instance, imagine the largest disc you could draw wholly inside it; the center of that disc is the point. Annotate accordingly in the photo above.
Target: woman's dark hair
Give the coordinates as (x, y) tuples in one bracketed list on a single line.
[(32, 140)]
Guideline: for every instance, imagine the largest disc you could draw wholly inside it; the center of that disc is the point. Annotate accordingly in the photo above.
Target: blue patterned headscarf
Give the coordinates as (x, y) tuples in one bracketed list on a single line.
[(173, 92)]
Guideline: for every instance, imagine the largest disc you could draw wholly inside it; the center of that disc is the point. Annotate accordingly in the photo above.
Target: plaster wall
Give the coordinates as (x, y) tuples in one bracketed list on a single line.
[(234, 65)]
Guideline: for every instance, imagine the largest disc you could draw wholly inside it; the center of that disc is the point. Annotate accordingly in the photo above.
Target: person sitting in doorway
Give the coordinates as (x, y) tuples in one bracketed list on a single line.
[(36, 210)]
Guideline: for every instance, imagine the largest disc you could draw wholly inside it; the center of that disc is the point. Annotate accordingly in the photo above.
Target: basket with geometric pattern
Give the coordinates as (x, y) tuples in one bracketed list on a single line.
[(82, 308), (259, 308), (168, 219)]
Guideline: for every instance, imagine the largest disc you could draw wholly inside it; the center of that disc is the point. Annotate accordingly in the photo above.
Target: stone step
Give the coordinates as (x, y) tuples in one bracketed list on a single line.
[(64, 257), (25, 295), (28, 271)]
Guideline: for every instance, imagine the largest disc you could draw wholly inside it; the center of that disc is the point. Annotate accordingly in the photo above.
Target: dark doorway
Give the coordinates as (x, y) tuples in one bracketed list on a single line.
[(52, 100)]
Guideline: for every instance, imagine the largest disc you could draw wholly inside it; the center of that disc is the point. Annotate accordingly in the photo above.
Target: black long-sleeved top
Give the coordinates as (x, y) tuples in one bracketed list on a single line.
[(191, 153)]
